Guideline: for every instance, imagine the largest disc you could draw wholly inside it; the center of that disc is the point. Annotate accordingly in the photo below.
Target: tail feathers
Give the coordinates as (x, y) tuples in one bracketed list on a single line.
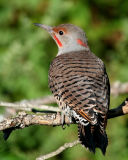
[(85, 137), (101, 140), (91, 137)]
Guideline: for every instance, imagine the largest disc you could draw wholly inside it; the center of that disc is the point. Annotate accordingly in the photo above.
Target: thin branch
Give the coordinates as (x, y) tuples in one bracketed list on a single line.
[(29, 106), (122, 109), (59, 150), (40, 101), (119, 88)]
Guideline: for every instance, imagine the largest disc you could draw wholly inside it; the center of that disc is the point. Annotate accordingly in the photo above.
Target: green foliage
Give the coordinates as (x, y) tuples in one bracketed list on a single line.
[(25, 56)]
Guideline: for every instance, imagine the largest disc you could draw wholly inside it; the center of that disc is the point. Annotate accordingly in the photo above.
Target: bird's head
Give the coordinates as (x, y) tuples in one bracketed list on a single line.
[(68, 37)]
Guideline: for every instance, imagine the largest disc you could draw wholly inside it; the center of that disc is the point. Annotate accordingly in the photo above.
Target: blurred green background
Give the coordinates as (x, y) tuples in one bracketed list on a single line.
[(25, 55)]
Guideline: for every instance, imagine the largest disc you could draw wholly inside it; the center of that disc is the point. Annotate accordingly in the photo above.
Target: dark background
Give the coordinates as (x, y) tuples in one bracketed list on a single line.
[(25, 55)]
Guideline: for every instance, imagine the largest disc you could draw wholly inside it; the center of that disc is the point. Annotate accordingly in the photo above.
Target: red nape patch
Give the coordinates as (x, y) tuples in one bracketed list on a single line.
[(58, 41), (79, 41)]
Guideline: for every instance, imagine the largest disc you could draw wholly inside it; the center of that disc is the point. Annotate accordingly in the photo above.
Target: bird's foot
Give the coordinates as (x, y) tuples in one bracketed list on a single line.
[(62, 119)]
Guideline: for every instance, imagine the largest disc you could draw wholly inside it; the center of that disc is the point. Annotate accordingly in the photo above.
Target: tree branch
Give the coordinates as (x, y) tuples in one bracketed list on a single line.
[(22, 119), (119, 88), (44, 100), (122, 109), (29, 106), (59, 150)]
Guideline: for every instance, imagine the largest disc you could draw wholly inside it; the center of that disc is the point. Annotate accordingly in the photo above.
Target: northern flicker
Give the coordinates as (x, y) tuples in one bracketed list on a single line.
[(80, 84)]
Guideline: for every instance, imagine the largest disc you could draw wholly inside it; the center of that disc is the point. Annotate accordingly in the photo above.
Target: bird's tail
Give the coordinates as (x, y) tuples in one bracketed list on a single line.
[(92, 137)]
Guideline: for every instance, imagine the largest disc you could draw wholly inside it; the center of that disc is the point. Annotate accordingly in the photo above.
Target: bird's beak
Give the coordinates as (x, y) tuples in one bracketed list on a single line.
[(47, 28)]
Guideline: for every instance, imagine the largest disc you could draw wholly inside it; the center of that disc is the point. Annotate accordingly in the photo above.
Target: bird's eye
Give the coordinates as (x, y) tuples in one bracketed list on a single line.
[(61, 32)]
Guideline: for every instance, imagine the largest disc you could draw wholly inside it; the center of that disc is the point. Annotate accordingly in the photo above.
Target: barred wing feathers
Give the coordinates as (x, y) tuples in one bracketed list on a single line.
[(79, 81)]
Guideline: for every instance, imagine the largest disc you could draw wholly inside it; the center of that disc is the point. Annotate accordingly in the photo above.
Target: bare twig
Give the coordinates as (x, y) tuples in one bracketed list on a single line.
[(29, 106), (59, 150), (119, 88), (40, 101)]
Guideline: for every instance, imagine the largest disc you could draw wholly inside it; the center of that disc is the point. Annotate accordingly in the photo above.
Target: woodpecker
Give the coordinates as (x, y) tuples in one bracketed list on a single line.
[(80, 84)]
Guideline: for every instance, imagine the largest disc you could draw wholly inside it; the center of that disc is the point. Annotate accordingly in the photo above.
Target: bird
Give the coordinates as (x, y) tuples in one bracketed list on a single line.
[(80, 84)]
